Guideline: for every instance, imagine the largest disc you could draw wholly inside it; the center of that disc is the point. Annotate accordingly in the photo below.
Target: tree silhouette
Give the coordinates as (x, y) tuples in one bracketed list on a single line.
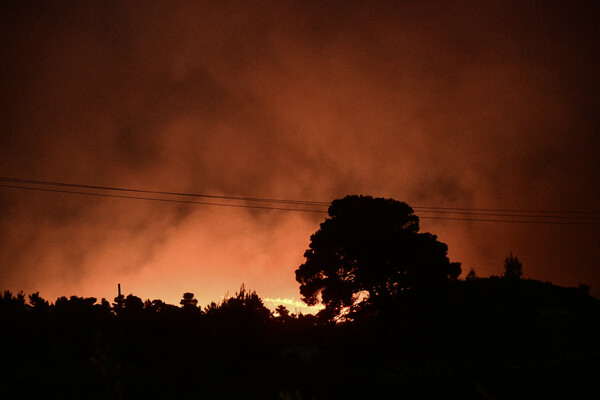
[(188, 301), (38, 303), (472, 275), (517, 339), (513, 268), (245, 306), (119, 303), (133, 303), (10, 304), (367, 252), (189, 304), (74, 304), (283, 314)]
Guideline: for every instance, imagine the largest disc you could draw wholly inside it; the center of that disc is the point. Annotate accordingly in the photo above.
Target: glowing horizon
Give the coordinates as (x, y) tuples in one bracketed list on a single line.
[(455, 105)]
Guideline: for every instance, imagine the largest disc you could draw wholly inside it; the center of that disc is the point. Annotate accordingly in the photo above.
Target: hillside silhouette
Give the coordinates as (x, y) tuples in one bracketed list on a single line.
[(397, 323), (480, 339)]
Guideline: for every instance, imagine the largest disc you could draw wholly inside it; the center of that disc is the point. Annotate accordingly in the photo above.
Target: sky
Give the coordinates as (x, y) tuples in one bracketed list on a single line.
[(443, 103)]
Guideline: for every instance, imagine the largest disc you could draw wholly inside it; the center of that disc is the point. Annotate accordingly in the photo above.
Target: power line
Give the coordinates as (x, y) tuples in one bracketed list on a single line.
[(161, 200), (253, 199), (508, 210), (514, 221), (548, 219), (489, 214), (449, 210)]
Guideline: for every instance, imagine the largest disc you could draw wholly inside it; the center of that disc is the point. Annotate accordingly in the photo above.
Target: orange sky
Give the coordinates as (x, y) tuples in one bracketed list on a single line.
[(448, 104)]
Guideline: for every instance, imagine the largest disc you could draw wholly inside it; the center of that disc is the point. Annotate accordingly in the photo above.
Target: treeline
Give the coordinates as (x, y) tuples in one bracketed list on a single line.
[(489, 338)]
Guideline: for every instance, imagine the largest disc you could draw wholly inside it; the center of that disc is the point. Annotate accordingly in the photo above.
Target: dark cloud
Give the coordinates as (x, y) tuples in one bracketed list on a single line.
[(443, 104)]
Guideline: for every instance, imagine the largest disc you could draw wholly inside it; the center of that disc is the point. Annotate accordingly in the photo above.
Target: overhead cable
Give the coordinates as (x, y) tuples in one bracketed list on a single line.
[(569, 217)]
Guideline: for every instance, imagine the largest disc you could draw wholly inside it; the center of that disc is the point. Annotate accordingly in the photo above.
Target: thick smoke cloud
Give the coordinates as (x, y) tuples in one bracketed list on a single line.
[(450, 104)]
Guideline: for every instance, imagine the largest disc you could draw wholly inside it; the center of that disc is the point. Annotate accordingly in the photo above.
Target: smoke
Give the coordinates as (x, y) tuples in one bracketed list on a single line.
[(450, 104)]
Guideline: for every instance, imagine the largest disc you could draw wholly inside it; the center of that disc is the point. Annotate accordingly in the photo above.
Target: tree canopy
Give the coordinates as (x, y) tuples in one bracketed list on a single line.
[(513, 268), (367, 251)]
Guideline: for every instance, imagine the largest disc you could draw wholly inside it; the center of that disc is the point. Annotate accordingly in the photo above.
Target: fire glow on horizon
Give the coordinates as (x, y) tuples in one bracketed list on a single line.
[(451, 104)]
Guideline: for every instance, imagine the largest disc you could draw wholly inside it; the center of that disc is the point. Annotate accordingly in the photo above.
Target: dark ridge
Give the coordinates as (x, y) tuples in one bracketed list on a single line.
[(477, 339)]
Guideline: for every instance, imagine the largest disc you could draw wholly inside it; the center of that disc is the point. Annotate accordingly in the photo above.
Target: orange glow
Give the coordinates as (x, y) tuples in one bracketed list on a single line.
[(457, 105)]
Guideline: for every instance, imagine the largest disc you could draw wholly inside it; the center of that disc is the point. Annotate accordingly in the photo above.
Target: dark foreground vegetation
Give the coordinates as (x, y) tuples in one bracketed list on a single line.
[(396, 324), (492, 338)]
